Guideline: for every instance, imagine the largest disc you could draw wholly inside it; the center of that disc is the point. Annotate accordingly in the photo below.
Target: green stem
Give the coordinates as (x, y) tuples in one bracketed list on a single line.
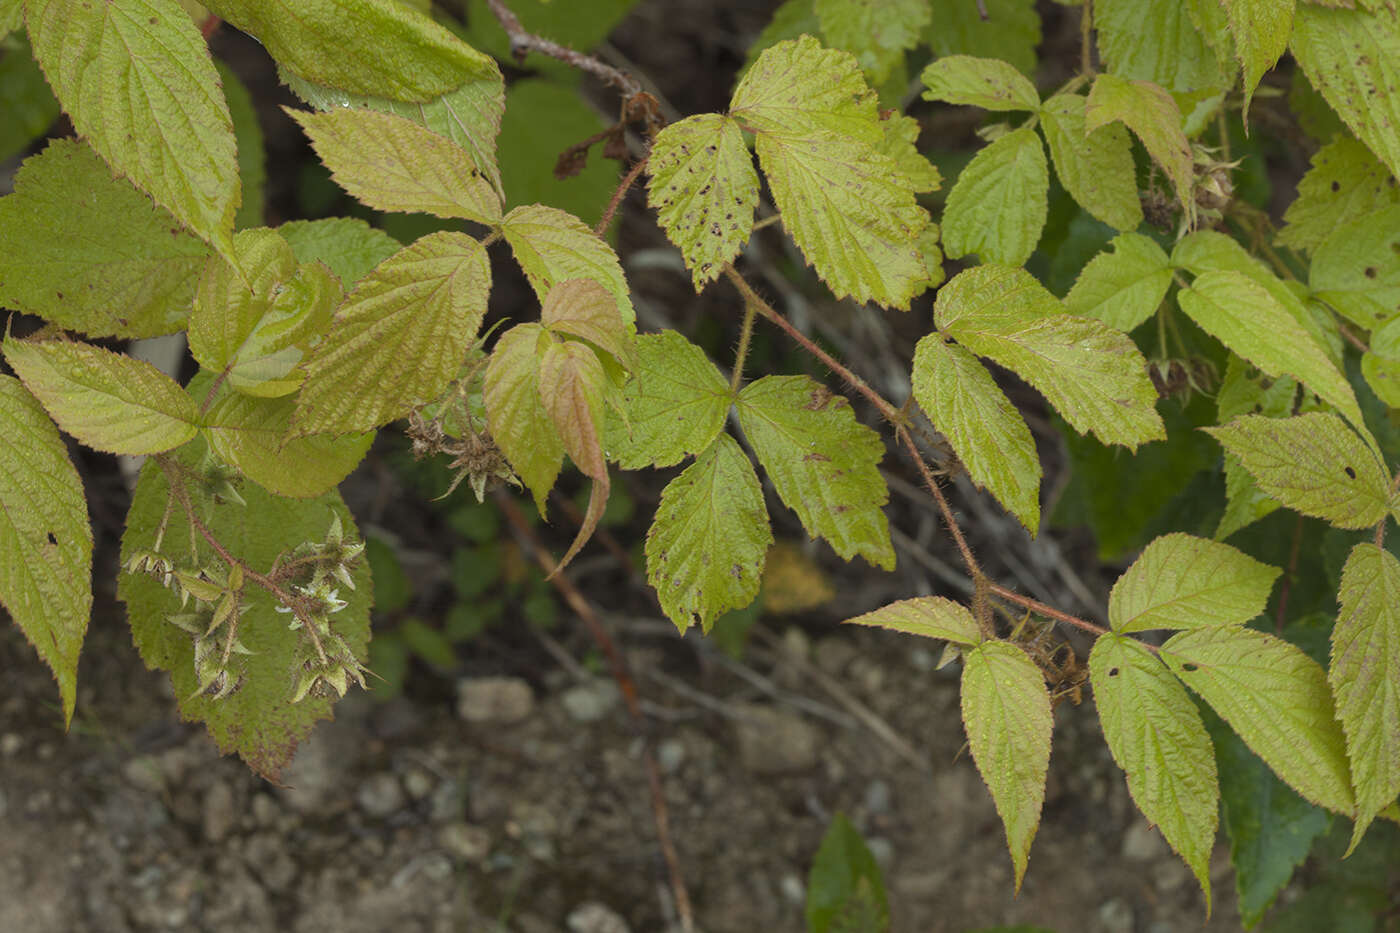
[(741, 354)]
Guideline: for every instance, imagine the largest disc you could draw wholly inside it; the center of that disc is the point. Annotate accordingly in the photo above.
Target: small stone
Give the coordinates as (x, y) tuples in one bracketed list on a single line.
[(832, 654), (418, 783), (143, 772), (465, 841), (594, 917), (877, 797), (446, 802), (1115, 916), (670, 754), (793, 889), (882, 849), (1142, 843), (265, 810), (773, 741), (380, 795), (494, 699), (218, 816), (266, 855), (592, 701), (10, 744)]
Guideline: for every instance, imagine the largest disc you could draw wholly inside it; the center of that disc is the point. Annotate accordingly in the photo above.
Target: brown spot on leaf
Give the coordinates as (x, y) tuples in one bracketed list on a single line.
[(815, 457), (819, 399)]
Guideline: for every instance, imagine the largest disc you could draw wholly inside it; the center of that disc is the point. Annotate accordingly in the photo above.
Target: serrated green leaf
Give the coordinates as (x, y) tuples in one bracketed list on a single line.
[(1365, 677), (929, 616), (997, 206), (123, 66), (876, 32), (1312, 463), (845, 891), (710, 537), (1260, 29), (469, 114), (1157, 738), (1010, 30), (1356, 270), (1006, 712), (585, 309), (258, 721), (1095, 168), (519, 424), (1155, 40), (108, 264), (1247, 318), (360, 46), (27, 106), (1125, 287), (45, 538), (106, 400), (553, 246), (675, 404), (1093, 375), (823, 462), (989, 83), (11, 16), (1380, 365), (250, 434), (348, 246), (1344, 183), (572, 387), (984, 429), (392, 163), (398, 338), (704, 190), (1153, 116), (1184, 582), (1276, 698), (1353, 58), (901, 134), (798, 89)]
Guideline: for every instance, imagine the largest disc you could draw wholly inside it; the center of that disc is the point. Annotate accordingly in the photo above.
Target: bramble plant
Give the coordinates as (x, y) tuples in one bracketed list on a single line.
[(243, 572)]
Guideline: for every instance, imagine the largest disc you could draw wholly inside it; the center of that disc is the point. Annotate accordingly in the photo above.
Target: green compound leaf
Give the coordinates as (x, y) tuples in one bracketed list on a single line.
[(1153, 116), (845, 891), (572, 387), (1184, 582), (121, 67), (553, 246), (1365, 677), (1312, 463), (392, 163), (1250, 320), (1381, 364), (997, 206), (823, 462), (704, 190), (255, 322), (1260, 29), (798, 89), (1010, 31), (929, 616), (1006, 712), (45, 539), (1156, 736), (989, 83), (1345, 183), (250, 434), (258, 721), (1093, 375), (1125, 287), (1095, 168), (348, 246), (984, 429), (876, 32), (675, 404), (108, 264), (398, 338), (106, 400), (584, 309), (1356, 270), (468, 115), (708, 543), (899, 143), (1276, 698), (1353, 58), (27, 106), (1156, 40), (359, 46), (519, 423)]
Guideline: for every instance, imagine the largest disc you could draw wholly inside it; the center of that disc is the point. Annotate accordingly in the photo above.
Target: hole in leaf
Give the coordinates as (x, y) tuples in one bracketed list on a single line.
[(1351, 474), (52, 539), (1113, 672), (1188, 666), (1336, 186), (1370, 272)]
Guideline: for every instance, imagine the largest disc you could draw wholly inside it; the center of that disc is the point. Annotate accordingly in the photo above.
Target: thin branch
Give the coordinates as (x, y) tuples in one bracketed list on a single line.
[(622, 188), (1049, 612), (522, 42)]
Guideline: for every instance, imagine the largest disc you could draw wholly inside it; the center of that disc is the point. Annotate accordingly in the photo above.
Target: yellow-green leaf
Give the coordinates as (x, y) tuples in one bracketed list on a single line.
[(1156, 40), (1006, 712), (798, 89), (348, 246), (998, 204), (106, 400), (1151, 113), (1260, 29), (1346, 182), (1184, 582), (585, 309), (1096, 168), (1356, 270), (929, 616), (675, 404), (45, 538), (1125, 287), (553, 246), (876, 32), (122, 69), (989, 83), (519, 423)]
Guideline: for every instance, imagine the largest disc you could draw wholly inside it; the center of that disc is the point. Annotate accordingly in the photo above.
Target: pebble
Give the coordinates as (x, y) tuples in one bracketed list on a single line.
[(793, 889), (266, 854), (670, 754), (591, 701), (465, 841), (832, 654), (218, 816), (446, 802), (594, 917), (418, 783), (877, 797), (774, 741), (1142, 843), (380, 795), (494, 699), (1116, 916), (265, 810), (143, 772), (10, 744), (882, 850)]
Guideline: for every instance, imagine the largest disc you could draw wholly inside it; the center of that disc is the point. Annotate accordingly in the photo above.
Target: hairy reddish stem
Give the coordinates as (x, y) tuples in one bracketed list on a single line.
[(523, 42), (622, 188)]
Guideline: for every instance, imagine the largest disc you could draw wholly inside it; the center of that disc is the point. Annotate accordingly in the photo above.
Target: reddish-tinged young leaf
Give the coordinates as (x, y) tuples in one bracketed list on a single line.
[(572, 383), (583, 308), (520, 425)]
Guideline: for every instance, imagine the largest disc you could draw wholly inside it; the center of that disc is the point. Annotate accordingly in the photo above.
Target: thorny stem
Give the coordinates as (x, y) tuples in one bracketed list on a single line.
[(291, 601), (741, 354), (523, 42), (622, 188), (1051, 612)]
